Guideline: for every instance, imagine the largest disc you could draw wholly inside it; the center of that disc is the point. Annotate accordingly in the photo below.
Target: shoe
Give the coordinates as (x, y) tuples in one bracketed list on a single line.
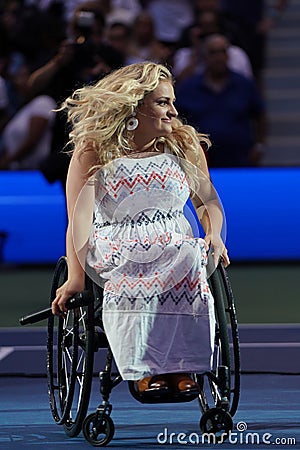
[(142, 385), (158, 383), (152, 385), (183, 383)]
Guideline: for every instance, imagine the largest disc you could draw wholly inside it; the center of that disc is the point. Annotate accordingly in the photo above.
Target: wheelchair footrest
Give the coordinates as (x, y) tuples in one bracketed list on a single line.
[(161, 397)]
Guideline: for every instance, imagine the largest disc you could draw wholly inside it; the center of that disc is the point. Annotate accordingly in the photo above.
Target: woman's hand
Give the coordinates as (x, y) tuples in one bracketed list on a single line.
[(218, 249), (63, 293)]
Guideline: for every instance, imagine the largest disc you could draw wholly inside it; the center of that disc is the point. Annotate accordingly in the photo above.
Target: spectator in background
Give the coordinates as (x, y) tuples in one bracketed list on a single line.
[(10, 19), (4, 103), (118, 36), (238, 59), (29, 31), (226, 25), (113, 10), (255, 19), (29, 37), (189, 60), (81, 60), (27, 136), (144, 44), (170, 18), (124, 11), (87, 29), (225, 105), (188, 56), (39, 34), (66, 6), (4, 99), (11, 16)]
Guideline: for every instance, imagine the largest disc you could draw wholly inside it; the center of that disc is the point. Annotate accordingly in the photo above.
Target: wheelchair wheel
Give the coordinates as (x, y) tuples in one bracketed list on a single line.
[(235, 357), (70, 357), (98, 433), (216, 422), (224, 379)]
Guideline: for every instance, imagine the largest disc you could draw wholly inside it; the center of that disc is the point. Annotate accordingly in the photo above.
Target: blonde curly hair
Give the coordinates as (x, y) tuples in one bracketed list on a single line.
[(98, 113)]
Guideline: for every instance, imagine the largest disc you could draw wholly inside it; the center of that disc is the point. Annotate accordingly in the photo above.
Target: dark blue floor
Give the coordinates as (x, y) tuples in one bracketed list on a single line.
[(269, 408)]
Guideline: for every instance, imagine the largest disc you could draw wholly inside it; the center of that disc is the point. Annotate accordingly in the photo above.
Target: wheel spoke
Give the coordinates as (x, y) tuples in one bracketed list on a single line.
[(69, 363), (219, 401)]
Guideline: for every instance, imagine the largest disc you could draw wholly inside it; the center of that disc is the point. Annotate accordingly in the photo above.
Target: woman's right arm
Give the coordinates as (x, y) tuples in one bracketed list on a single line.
[(76, 181)]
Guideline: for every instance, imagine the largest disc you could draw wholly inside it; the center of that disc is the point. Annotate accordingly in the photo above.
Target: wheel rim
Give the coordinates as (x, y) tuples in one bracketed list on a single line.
[(236, 362), (98, 434), (69, 360), (225, 336), (57, 380), (82, 373), (216, 423)]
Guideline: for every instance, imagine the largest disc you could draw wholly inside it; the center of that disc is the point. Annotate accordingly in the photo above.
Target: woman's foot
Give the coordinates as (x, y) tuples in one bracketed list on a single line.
[(158, 382), (143, 384), (155, 384), (183, 383)]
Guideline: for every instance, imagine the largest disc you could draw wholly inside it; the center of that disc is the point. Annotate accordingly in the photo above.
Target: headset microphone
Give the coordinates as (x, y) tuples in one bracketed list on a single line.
[(154, 117)]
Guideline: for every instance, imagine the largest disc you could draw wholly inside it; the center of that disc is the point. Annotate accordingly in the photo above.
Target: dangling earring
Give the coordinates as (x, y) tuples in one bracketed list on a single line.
[(132, 123)]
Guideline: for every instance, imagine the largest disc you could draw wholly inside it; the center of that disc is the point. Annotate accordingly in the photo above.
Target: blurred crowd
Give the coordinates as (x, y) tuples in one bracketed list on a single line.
[(214, 48)]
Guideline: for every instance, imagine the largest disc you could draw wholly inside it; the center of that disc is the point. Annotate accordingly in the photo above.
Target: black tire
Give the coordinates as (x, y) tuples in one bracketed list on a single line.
[(92, 430), (70, 358), (222, 336), (236, 357), (226, 362), (216, 424)]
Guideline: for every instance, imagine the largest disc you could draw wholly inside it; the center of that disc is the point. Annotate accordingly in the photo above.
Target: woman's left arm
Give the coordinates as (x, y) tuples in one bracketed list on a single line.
[(209, 210)]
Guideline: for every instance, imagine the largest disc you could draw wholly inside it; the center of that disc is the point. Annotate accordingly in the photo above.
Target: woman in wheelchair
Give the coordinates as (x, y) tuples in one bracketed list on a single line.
[(134, 165)]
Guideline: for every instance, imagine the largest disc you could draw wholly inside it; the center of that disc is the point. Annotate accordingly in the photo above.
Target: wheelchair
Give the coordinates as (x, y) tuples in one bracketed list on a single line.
[(73, 340)]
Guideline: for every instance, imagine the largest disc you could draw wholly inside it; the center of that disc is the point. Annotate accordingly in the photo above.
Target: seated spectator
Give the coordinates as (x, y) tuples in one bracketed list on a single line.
[(226, 25), (27, 136), (124, 11), (78, 61), (29, 33), (113, 10), (189, 60), (225, 105), (144, 44), (118, 36), (170, 18), (83, 58)]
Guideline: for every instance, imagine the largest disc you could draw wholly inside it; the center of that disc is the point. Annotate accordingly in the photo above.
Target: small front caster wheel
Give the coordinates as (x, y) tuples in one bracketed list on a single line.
[(98, 433), (218, 422)]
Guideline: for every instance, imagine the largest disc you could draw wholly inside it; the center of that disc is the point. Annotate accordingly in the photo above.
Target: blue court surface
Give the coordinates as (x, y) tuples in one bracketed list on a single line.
[(268, 417)]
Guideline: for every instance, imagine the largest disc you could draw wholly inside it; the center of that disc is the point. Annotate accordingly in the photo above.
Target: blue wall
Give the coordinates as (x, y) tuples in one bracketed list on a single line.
[(32, 212), (262, 210)]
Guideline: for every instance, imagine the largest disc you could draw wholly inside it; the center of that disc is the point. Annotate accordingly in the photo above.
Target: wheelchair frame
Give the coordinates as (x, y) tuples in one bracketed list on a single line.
[(74, 338)]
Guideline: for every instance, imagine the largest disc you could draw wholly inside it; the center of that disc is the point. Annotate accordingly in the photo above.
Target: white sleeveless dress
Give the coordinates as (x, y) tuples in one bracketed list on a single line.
[(158, 310)]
